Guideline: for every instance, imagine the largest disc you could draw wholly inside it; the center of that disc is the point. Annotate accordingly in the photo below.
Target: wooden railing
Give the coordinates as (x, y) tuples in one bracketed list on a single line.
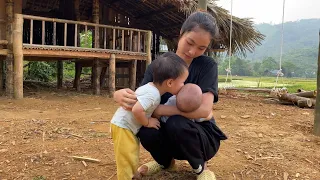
[(68, 33)]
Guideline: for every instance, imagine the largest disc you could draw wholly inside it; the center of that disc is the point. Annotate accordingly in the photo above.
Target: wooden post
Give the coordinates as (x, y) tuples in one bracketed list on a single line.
[(103, 77), (316, 126), (112, 75), (95, 15), (9, 59), (133, 74), (18, 56), (202, 5), (1, 74), (78, 70), (60, 74), (157, 44), (96, 71), (148, 47)]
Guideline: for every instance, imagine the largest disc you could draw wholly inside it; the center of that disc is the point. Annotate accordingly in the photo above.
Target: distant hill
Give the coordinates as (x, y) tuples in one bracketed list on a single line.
[(301, 40)]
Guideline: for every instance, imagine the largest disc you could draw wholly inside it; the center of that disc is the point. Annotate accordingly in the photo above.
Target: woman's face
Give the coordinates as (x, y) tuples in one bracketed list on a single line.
[(193, 44)]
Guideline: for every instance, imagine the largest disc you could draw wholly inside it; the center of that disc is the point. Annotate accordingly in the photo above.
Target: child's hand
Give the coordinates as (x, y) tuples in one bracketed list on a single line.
[(153, 123)]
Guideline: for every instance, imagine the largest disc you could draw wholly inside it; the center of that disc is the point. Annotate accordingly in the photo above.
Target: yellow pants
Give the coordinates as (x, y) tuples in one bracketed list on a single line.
[(126, 150)]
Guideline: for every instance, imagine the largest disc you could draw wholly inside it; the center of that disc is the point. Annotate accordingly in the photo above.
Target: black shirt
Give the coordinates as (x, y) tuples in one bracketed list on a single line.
[(203, 71)]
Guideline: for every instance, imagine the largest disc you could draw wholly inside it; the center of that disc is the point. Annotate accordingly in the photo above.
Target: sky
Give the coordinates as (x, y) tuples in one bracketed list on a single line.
[(270, 11)]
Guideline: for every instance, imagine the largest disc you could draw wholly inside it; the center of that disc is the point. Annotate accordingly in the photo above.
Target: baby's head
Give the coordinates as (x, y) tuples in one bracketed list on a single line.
[(189, 98), (170, 72)]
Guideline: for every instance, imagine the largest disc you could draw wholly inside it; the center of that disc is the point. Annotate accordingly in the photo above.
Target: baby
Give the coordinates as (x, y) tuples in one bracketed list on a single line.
[(188, 99)]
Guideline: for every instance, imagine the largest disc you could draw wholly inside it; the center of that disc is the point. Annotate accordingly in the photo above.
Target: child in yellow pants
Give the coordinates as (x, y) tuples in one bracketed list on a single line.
[(170, 73)]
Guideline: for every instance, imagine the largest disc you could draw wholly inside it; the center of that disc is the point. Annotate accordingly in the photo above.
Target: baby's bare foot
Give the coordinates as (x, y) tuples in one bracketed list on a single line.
[(142, 171)]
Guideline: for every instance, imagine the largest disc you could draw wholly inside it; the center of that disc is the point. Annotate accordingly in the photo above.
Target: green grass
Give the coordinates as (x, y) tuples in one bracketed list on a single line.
[(292, 84)]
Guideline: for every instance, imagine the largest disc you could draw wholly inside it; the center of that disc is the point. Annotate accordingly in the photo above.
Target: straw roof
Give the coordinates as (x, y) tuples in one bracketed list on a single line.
[(165, 17)]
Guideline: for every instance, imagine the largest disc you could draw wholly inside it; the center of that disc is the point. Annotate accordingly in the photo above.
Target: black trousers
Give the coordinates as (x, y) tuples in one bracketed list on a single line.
[(182, 139)]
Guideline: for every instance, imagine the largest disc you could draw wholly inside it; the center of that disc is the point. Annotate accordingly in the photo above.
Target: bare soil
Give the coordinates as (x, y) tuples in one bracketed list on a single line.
[(40, 133)]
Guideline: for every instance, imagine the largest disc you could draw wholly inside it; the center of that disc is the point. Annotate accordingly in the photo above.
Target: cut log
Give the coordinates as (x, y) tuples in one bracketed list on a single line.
[(304, 103), (294, 99), (307, 94)]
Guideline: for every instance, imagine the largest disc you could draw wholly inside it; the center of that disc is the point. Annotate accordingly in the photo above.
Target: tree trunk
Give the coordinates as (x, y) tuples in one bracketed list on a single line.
[(316, 126), (202, 5)]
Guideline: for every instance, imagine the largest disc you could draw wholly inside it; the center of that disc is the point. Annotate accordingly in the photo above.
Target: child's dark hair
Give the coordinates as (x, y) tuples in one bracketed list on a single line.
[(168, 66), (201, 20)]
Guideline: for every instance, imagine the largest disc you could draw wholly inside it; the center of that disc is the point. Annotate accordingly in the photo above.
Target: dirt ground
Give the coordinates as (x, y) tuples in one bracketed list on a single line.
[(39, 134)]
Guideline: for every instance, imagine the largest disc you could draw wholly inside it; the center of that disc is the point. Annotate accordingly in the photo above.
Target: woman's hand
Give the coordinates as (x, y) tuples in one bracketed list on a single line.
[(126, 98)]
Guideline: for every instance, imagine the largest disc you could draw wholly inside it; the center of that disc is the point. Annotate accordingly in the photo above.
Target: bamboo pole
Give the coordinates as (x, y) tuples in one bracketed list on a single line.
[(148, 48), (76, 35), (130, 41), (139, 39), (65, 34), (112, 75), (316, 126), (38, 18), (43, 34), (9, 59), (31, 31), (113, 39), (54, 39), (18, 56), (133, 74)]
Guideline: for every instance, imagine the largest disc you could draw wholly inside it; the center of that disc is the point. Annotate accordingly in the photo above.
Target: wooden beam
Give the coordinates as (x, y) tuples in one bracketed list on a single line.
[(9, 59), (18, 56), (112, 75), (316, 126), (60, 74), (74, 54), (133, 74)]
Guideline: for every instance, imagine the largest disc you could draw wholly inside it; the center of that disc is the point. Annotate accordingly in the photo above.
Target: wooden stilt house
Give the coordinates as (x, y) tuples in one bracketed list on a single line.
[(113, 37)]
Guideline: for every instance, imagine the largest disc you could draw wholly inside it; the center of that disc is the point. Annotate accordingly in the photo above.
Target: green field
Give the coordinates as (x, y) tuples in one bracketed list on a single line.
[(292, 84)]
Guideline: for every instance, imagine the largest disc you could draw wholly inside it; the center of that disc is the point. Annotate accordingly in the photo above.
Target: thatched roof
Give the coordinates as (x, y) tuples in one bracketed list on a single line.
[(165, 17)]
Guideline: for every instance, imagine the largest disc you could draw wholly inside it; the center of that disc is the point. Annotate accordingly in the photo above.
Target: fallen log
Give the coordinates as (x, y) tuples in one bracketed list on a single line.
[(258, 90), (307, 94), (300, 90), (303, 102)]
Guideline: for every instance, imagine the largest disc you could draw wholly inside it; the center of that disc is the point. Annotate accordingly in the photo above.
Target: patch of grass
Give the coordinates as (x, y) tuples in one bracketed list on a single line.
[(39, 178), (292, 84)]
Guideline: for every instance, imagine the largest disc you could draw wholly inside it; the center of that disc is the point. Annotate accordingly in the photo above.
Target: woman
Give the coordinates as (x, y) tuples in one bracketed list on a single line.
[(180, 138)]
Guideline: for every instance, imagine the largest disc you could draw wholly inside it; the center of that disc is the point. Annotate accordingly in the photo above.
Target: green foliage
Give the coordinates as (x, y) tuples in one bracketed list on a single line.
[(86, 39), (41, 71)]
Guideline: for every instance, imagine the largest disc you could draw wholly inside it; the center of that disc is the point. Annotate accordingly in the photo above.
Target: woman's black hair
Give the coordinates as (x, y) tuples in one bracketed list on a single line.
[(202, 20)]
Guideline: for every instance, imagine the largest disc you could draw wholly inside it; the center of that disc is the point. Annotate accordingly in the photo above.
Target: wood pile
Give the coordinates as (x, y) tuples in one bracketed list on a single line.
[(302, 99)]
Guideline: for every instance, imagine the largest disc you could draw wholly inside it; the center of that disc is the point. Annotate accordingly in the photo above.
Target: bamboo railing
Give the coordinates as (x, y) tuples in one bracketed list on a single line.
[(104, 37)]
